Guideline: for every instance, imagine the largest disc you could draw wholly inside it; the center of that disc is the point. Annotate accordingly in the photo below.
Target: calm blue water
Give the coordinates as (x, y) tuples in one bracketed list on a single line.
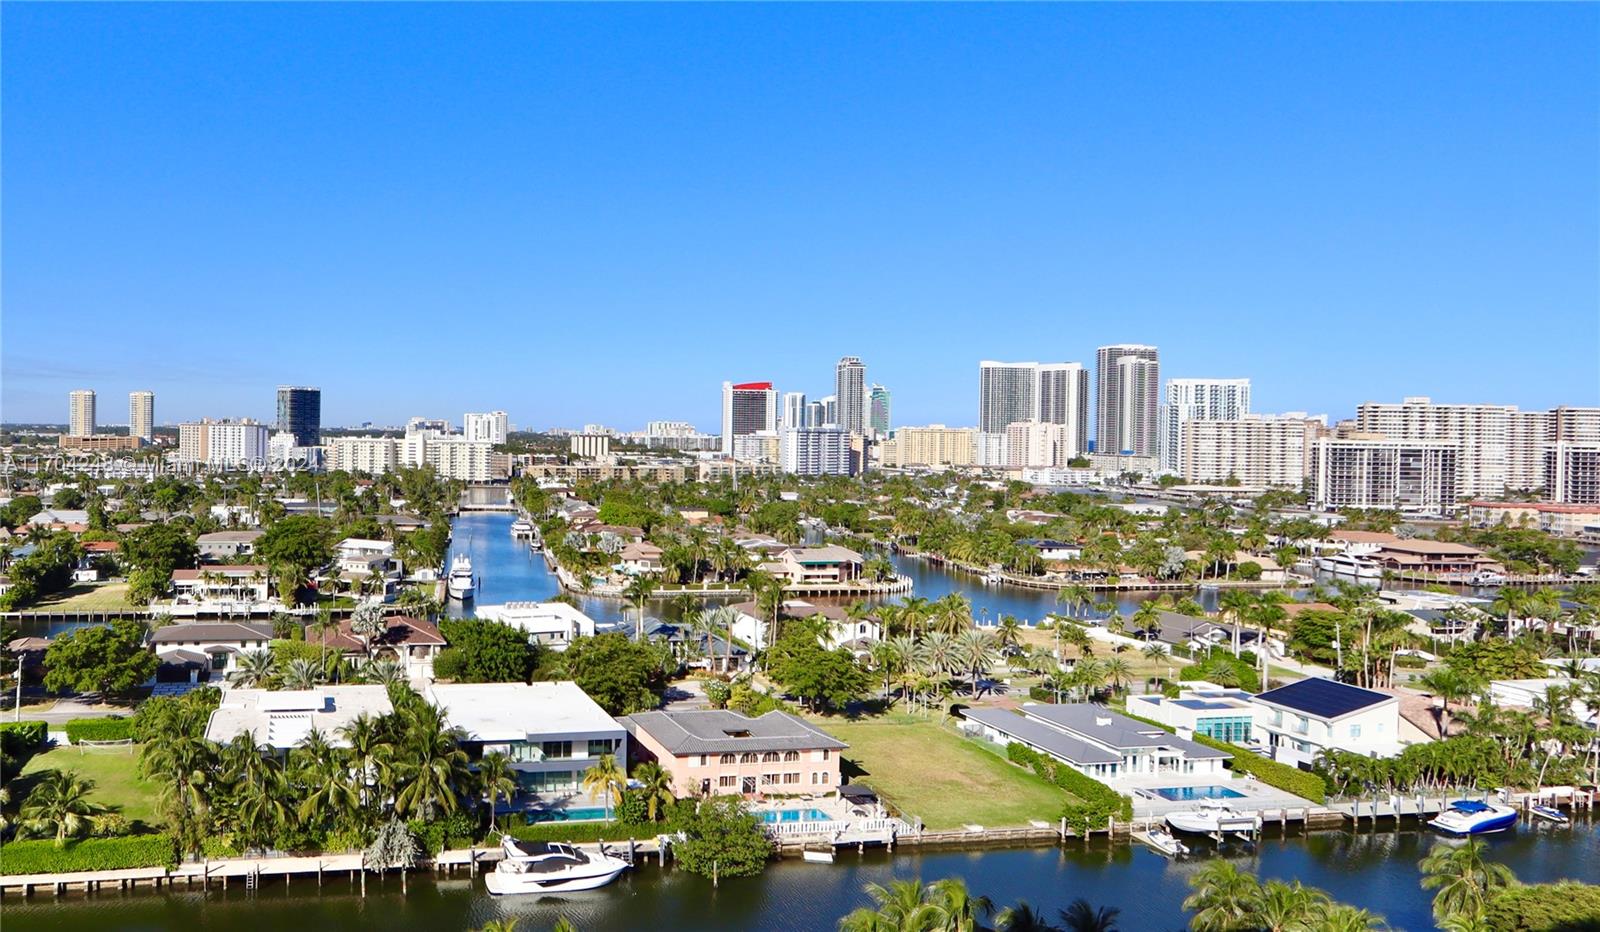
[(1187, 793), (580, 814), (793, 815)]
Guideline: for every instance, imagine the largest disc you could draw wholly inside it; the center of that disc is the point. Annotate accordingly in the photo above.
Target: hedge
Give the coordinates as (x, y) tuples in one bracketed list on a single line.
[(17, 737), (582, 831), (115, 728), (1100, 802), (1301, 783), (1547, 907), (41, 856)]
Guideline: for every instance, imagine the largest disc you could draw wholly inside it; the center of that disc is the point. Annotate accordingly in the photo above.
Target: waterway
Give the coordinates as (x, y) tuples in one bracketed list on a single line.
[(1377, 871)]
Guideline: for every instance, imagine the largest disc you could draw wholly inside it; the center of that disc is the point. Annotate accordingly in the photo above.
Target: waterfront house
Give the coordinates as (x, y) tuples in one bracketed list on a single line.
[(221, 546), (99, 556), (356, 557), (242, 589), (209, 647), (640, 559), (721, 752), (411, 642), (1201, 709), (281, 719), (553, 624), (840, 630), (810, 566), (1297, 721), (1100, 743), (551, 731), (1053, 551)]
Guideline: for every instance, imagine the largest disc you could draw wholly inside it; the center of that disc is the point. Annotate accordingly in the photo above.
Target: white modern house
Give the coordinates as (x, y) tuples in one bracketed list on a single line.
[(211, 646), (1298, 721), (551, 731), (357, 556), (1106, 745), (1201, 709), (281, 719), (554, 624), (1533, 693), (841, 630), (242, 589), (227, 545)]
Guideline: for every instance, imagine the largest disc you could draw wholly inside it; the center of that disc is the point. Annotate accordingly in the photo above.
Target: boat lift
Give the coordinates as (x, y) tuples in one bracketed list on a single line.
[(1246, 828)]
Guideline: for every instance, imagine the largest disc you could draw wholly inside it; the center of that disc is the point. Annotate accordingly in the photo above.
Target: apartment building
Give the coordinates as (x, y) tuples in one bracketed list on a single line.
[(933, 445), (371, 456), (1418, 476), (80, 413), (815, 451), (1031, 443), (224, 443), (747, 407), (142, 415), (1198, 400), (589, 446), (1012, 392), (1572, 472), (1127, 399), (1257, 450), (490, 426), (759, 447)]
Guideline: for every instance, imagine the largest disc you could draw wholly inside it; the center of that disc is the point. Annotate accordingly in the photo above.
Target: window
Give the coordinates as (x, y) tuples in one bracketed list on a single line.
[(790, 757), (769, 779), (815, 778), (824, 753), (599, 746), (771, 757), (557, 750), (727, 782), (1355, 731), (727, 759), (791, 778), (747, 758), (703, 759)]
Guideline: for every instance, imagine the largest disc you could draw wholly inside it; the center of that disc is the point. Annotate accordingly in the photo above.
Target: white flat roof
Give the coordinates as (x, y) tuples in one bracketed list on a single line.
[(516, 711), (283, 719)]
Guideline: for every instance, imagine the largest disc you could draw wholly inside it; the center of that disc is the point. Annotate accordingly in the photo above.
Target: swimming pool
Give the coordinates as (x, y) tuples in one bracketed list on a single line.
[(585, 814), (794, 815), (1188, 793)]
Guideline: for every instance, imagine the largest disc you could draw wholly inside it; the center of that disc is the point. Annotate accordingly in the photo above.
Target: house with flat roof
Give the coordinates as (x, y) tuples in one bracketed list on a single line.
[(281, 719), (1095, 741), (221, 546), (1299, 720), (721, 752), (841, 630), (228, 590), (1214, 711), (553, 624), (550, 731), (208, 649)]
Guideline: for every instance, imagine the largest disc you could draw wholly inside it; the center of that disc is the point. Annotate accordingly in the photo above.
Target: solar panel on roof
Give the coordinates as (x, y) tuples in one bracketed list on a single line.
[(1323, 698)]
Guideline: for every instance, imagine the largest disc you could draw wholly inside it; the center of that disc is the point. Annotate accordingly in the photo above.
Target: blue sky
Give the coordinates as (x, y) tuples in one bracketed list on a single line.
[(598, 213)]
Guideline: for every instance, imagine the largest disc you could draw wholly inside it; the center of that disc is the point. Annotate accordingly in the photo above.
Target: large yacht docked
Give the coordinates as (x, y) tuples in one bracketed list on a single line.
[(461, 583), (548, 867)]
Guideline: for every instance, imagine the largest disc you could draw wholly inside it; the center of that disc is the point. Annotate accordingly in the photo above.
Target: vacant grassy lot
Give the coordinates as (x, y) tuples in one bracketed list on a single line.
[(114, 772), (106, 597), (926, 770)]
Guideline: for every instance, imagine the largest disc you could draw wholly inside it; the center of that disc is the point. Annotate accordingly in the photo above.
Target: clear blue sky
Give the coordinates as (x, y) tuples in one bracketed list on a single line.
[(598, 213)]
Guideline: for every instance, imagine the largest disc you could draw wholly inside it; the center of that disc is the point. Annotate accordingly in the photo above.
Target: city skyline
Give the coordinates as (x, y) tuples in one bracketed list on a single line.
[(1033, 197)]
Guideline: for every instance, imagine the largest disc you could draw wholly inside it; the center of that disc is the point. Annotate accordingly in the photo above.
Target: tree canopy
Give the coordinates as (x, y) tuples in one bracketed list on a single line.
[(111, 659)]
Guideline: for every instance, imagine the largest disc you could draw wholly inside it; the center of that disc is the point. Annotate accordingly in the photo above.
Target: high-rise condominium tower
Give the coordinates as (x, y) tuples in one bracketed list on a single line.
[(747, 407), (1014, 392), (794, 409), (492, 426), (142, 415), (850, 387), (1198, 400), (300, 413), (878, 410), (1127, 399), (80, 414)]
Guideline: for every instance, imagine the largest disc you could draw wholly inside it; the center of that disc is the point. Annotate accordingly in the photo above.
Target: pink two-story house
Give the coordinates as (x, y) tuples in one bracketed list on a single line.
[(717, 752)]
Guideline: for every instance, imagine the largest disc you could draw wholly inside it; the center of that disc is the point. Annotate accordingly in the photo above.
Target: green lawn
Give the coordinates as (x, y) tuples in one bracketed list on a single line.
[(114, 771), (928, 771), (83, 597)]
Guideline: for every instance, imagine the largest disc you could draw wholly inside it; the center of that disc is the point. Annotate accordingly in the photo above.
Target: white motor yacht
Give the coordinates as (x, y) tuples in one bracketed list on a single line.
[(549, 867), (1346, 564), (1210, 816), (461, 582)]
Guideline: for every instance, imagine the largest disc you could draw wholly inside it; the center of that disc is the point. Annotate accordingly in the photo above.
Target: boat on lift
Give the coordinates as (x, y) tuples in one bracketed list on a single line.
[(550, 867), (1210, 817), (1474, 817), (461, 583), (1551, 814)]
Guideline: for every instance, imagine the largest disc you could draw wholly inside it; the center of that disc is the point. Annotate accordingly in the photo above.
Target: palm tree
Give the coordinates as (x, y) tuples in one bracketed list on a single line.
[(325, 625), (300, 674), (604, 777), (1448, 684), (1074, 598), (1284, 907), (976, 651), (1080, 916), (1342, 917), (656, 786), (59, 805), (429, 767), (637, 593), (1118, 672), (722, 618), (1023, 918), (495, 780), (1008, 633), (252, 669), (367, 624), (385, 672), (955, 614), (1464, 878), (1224, 898), (368, 744)]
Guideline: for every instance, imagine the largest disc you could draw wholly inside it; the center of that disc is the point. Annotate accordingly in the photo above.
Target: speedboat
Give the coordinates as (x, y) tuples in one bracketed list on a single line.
[(1210, 816), (1551, 814), (817, 855), (461, 582), (1165, 842), (1347, 564), (1484, 579), (1472, 817), (550, 867)]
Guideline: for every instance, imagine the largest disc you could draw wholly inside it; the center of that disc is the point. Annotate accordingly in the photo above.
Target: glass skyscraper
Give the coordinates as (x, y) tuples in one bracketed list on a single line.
[(300, 413)]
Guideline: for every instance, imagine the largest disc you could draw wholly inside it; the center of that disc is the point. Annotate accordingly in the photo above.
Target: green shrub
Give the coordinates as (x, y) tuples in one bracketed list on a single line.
[(1301, 783), (115, 728), (41, 856), (1041, 694), (581, 831), (1545, 907), (21, 737), (1100, 802)]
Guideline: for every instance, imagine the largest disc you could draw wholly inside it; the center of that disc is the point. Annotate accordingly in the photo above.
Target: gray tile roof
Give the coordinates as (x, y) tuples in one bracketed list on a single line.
[(1041, 736), (211, 631), (1100, 725), (713, 731)]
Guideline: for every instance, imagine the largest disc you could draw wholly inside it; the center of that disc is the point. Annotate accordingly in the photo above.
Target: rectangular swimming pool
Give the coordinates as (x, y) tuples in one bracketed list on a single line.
[(794, 815), (1190, 793), (586, 814)]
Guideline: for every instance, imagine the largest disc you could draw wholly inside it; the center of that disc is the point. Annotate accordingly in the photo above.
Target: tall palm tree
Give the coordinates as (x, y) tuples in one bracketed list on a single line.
[(1074, 598), (637, 593), (1118, 672), (368, 743), (977, 654), (1464, 878), (604, 777), (384, 672), (1081, 916), (1448, 685), (252, 669), (655, 785), (496, 780), (1342, 917), (324, 624), (1285, 907), (430, 766), (59, 805)]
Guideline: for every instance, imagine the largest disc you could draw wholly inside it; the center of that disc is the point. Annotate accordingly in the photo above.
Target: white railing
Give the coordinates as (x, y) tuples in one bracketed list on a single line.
[(807, 828)]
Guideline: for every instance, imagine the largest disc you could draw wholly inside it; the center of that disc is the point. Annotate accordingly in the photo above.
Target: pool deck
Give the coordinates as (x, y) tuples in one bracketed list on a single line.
[(1255, 796)]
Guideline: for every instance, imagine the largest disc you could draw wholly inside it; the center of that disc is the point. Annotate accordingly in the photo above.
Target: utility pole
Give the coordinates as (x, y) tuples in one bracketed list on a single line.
[(18, 717)]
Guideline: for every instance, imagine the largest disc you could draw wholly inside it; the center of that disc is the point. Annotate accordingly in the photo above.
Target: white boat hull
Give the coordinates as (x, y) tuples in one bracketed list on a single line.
[(507, 884), (460, 592), (817, 857)]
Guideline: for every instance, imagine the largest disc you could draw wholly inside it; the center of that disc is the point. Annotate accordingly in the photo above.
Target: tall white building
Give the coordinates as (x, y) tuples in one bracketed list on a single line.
[(794, 409), (1012, 392), (224, 444), (1573, 473), (1032, 443), (142, 415), (589, 446), (491, 426), (850, 387), (759, 447), (1494, 454), (670, 429), (372, 456), (80, 413), (1007, 392), (1198, 400), (1420, 476), (815, 451), (1063, 398), (747, 407), (1127, 399), (452, 456), (1257, 450)]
